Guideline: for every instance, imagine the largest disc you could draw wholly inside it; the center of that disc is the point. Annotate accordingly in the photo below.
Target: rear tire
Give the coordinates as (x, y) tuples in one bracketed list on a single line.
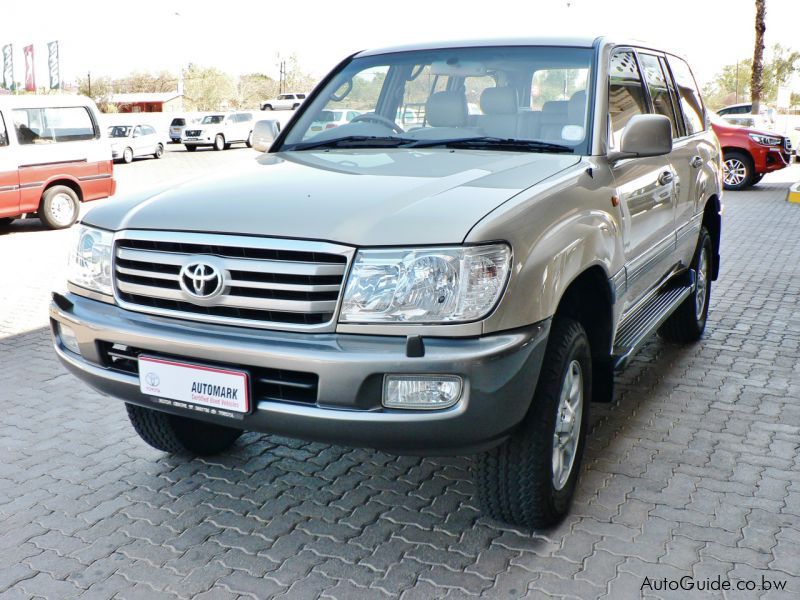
[(190, 148), (268, 107), (688, 321), (738, 170), (159, 151), (529, 480), (219, 142), (60, 207), (180, 435), (249, 141), (127, 156)]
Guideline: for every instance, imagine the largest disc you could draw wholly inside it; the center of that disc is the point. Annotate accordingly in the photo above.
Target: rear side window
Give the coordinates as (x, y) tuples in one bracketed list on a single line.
[(3, 132), (51, 125), (689, 97), (659, 91), (148, 130), (625, 93), (301, 96)]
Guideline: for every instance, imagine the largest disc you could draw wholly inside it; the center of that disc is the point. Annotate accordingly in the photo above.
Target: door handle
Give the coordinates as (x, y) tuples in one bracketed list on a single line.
[(665, 178), (696, 162)]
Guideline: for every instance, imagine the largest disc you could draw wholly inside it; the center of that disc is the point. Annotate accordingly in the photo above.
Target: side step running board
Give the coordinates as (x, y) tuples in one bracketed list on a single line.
[(645, 319)]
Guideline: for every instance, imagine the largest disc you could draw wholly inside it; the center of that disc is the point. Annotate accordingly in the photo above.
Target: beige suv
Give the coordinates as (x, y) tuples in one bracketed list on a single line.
[(465, 284)]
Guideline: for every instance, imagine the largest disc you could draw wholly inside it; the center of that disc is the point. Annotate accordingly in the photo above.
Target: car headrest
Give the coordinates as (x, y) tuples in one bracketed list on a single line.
[(555, 108), (499, 101), (446, 109), (577, 107)]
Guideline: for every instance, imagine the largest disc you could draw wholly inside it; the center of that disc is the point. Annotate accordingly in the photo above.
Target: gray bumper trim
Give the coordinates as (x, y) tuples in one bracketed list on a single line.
[(500, 372)]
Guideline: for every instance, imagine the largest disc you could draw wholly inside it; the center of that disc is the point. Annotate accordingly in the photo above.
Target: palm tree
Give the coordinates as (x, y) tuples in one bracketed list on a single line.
[(756, 81)]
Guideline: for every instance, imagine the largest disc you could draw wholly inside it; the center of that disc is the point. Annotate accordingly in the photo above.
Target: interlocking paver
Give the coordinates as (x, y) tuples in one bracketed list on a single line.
[(692, 470)]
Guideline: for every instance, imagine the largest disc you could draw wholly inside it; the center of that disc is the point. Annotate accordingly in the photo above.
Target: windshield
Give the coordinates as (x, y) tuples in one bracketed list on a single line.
[(211, 119), (178, 122), (119, 131), (535, 95)]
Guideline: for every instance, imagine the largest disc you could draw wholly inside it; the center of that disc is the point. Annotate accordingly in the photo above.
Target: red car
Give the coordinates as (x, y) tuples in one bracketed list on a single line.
[(749, 154)]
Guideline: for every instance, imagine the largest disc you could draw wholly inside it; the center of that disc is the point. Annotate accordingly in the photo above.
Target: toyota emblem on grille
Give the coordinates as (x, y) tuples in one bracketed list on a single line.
[(152, 379), (201, 280)]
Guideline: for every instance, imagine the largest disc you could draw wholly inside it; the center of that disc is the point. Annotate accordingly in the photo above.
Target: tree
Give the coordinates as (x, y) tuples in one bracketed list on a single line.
[(757, 80), (207, 88), (726, 89), (99, 89), (254, 88)]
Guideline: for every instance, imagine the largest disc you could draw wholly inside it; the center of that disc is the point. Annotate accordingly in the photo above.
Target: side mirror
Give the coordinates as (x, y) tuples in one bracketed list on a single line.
[(264, 134), (644, 135)]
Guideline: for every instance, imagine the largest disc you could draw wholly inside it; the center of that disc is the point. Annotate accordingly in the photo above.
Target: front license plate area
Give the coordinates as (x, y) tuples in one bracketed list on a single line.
[(202, 388)]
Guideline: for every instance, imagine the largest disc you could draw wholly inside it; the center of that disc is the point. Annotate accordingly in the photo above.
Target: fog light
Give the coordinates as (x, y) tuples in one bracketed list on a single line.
[(68, 338), (421, 392)]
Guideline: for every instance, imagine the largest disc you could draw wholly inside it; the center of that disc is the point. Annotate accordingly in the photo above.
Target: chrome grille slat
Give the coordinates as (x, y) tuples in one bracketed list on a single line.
[(268, 283), (289, 287), (142, 273), (236, 264)]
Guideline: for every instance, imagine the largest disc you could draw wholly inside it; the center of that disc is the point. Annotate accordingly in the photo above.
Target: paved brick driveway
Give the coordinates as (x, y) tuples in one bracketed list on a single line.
[(694, 470)]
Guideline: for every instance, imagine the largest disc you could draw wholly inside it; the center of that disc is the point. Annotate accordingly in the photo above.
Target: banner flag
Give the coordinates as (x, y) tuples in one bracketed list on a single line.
[(8, 67), (30, 78), (52, 64)]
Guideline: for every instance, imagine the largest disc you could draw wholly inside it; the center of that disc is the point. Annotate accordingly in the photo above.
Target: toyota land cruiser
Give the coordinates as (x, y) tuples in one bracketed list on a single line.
[(466, 285)]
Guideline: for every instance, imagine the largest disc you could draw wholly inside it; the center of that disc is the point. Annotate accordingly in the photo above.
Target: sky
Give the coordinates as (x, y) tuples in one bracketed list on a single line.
[(115, 38)]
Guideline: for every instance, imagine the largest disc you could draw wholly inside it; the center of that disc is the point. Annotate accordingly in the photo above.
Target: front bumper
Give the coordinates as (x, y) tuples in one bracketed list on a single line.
[(500, 372)]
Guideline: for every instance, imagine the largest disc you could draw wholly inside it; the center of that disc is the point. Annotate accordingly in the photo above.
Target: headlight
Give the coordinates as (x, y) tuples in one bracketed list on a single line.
[(765, 140), (425, 285), (90, 259)]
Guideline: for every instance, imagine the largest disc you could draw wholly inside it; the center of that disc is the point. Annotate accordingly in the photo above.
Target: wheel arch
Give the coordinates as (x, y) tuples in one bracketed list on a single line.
[(73, 184), (589, 299), (740, 150)]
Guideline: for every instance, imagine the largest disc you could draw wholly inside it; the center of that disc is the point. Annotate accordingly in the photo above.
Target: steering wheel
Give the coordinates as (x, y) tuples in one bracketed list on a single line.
[(376, 118)]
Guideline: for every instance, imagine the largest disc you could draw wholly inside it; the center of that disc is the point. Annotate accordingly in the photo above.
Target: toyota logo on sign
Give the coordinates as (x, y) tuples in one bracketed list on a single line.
[(201, 280)]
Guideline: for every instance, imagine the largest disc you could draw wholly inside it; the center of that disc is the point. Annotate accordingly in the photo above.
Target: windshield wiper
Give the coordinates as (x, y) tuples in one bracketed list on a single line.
[(493, 143), (353, 141)]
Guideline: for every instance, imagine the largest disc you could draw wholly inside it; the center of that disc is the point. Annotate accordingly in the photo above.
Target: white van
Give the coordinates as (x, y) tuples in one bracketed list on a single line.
[(53, 155)]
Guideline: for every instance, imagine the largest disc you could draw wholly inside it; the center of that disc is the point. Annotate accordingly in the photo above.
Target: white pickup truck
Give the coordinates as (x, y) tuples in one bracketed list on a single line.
[(284, 102)]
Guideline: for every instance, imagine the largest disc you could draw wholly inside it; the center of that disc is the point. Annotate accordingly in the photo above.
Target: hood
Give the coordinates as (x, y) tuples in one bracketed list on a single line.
[(358, 197)]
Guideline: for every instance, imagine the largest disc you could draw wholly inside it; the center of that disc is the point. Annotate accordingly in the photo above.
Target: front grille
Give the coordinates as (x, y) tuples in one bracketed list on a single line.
[(193, 132), (276, 385), (276, 284)]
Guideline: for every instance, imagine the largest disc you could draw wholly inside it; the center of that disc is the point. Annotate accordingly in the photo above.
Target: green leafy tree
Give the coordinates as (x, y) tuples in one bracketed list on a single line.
[(99, 89), (253, 89), (207, 88)]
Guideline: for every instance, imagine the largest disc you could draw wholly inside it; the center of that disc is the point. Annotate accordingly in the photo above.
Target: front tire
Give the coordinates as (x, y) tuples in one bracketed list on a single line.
[(249, 141), (180, 435), (688, 321), (6, 221), (529, 480), (738, 170), (60, 207), (219, 142)]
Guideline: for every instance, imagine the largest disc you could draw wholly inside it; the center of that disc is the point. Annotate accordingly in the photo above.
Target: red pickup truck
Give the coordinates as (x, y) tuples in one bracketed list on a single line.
[(749, 154)]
